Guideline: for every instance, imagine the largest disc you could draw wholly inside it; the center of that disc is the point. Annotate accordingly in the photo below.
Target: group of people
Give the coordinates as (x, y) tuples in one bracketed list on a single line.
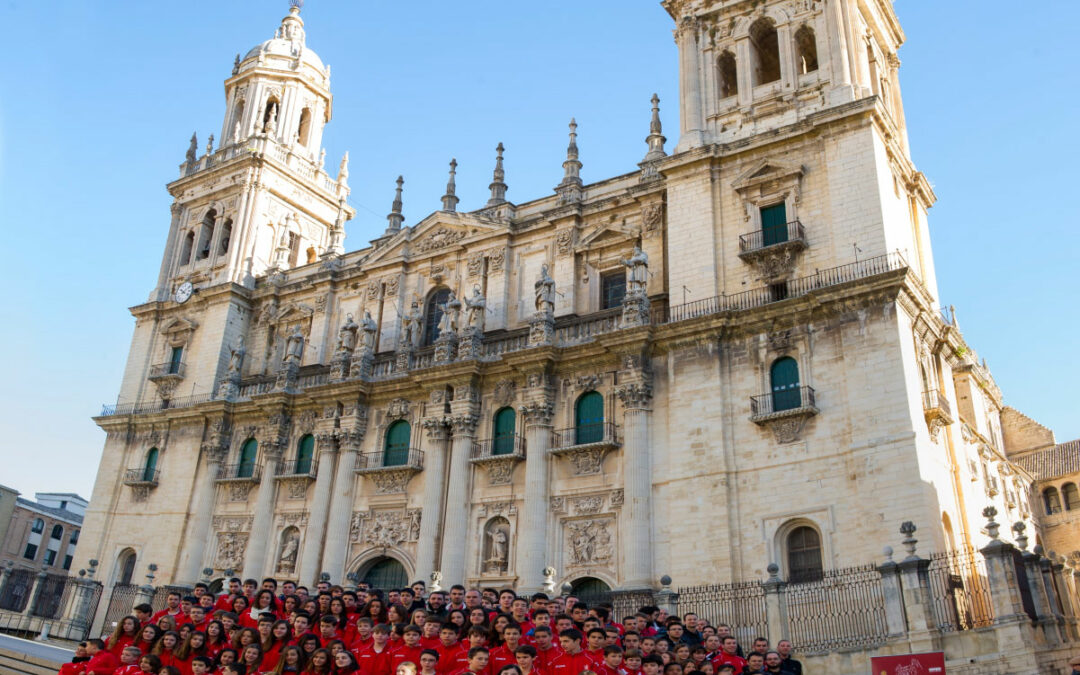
[(264, 629)]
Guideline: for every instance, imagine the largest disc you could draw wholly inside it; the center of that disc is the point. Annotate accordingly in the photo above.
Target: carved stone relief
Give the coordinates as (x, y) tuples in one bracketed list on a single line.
[(391, 287), (440, 238), (496, 508), (397, 409), (475, 264), (586, 461), (588, 504), (239, 491), (231, 547), (505, 390), (617, 498), (496, 260), (564, 241), (391, 482), (385, 528), (590, 541), (290, 546)]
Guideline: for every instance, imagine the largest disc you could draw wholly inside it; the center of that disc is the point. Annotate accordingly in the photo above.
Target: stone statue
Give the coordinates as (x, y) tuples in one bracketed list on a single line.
[(637, 272), (236, 132), (236, 356), (545, 292), (368, 328), (271, 124), (475, 308), (498, 545), (322, 159), (410, 326), (448, 322), (294, 346), (193, 150), (289, 547), (347, 335)]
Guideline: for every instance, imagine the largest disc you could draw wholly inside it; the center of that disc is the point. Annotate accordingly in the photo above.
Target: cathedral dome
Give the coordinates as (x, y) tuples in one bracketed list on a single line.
[(286, 45)]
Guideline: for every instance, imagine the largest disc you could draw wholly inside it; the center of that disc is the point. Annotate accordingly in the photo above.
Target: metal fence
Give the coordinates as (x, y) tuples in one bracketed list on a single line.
[(121, 602), (843, 609), (741, 606), (623, 603), (52, 597), (960, 590), (162, 594), (16, 592)]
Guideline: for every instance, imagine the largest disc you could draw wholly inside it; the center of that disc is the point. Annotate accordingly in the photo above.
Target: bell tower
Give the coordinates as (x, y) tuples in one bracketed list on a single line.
[(261, 200)]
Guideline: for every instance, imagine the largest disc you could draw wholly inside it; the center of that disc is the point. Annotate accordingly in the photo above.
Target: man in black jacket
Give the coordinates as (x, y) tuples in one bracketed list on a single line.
[(786, 662)]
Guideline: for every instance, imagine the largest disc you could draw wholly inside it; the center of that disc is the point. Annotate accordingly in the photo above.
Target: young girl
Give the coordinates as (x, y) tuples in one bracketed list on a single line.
[(291, 661), (148, 637), (280, 634), (245, 637), (126, 633), (165, 648), (251, 658), (308, 644), (345, 663), (216, 640), (194, 645), (264, 602), (150, 664), (319, 663)]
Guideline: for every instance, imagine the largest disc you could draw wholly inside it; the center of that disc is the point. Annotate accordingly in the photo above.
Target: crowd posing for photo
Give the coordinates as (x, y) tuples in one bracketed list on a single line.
[(267, 629)]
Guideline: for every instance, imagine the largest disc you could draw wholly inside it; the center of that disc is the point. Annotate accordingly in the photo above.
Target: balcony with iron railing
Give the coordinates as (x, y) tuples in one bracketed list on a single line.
[(934, 401), (297, 467), (391, 459), (791, 402), (508, 446), (788, 235), (249, 472), (143, 477), (599, 433), (166, 371)]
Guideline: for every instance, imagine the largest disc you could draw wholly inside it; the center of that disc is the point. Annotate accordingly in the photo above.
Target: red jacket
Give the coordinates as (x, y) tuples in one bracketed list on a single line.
[(499, 657), (724, 657), (102, 663), (375, 663), (571, 664), (452, 658), (544, 659), (133, 669), (179, 617), (404, 653)]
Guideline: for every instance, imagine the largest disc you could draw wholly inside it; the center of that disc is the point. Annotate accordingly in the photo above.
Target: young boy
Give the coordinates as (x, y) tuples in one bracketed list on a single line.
[(409, 649), (129, 661), (631, 662), (525, 656), (612, 663), (202, 665), (429, 661), (506, 654), (375, 660)]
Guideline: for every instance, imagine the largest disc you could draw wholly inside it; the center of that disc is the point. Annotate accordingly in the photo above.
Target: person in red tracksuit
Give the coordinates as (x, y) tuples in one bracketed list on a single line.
[(129, 661), (375, 660), (612, 663), (101, 661), (504, 655), (478, 662), (546, 650), (453, 656), (125, 635), (573, 660), (409, 650), (526, 659)]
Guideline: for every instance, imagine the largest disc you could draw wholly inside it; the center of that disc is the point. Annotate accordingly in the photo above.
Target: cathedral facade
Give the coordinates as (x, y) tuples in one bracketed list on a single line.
[(490, 393)]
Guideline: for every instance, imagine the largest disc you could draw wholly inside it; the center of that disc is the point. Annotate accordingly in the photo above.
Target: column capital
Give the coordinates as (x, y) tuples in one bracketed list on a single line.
[(465, 423), (437, 428), (350, 440), (635, 394), (326, 441), (538, 413)]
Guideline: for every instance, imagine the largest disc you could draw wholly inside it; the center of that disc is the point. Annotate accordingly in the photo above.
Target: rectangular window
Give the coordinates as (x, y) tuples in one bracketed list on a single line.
[(67, 562), (294, 248), (31, 551), (50, 556), (774, 224), (612, 289), (176, 358), (74, 537)]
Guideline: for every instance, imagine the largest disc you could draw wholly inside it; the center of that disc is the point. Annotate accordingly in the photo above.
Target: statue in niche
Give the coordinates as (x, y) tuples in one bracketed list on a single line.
[(347, 335), (294, 346), (368, 328), (545, 292), (236, 356), (448, 322), (290, 545), (410, 326), (637, 272), (475, 308), (497, 534)]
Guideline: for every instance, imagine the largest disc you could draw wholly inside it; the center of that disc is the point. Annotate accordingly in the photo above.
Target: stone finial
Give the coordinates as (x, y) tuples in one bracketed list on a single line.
[(395, 218), (498, 184), (436, 581), (570, 188), (92, 569), (992, 525), (229, 573), (450, 200), (337, 233), (236, 64), (192, 154), (655, 140), (549, 580), (150, 574), (907, 528), (888, 553), (1021, 539), (325, 576), (567, 588), (774, 572), (665, 582)]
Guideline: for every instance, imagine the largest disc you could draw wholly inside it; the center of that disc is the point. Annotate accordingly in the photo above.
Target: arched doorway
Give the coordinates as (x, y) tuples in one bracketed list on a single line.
[(590, 590), (384, 573)]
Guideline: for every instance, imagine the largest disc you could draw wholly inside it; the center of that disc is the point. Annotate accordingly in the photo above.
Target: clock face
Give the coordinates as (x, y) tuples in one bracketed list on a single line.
[(184, 292)]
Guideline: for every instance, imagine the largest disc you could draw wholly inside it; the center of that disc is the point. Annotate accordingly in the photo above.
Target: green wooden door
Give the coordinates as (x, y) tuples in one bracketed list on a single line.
[(589, 418), (505, 421), (150, 467), (246, 469), (396, 452), (304, 452), (774, 224), (385, 574), (784, 377), (176, 359)]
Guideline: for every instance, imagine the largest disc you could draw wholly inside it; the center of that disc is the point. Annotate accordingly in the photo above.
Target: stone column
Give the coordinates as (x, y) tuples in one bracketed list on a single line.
[(775, 605), (532, 526), (456, 529), (35, 592), (690, 112), (341, 505), (320, 506), (839, 61), (636, 528), (192, 558), (427, 548), (262, 523)]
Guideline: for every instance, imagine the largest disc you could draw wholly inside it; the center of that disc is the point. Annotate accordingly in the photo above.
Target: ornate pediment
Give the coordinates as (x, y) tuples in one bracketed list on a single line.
[(294, 312), (611, 234), (767, 171), (440, 232), (178, 330)]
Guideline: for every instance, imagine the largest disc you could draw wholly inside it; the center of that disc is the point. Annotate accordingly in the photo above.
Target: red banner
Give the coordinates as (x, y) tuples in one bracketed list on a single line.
[(932, 663)]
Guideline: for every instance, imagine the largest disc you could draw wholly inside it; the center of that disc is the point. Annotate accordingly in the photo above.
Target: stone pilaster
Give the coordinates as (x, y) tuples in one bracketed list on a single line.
[(690, 112), (435, 456), (536, 415), (214, 450), (457, 509), (895, 621), (320, 506), (341, 505), (636, 528), (261, 524)]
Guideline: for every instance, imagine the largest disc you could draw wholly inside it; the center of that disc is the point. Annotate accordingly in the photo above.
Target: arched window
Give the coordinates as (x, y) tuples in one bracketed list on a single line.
[(1052, 501), (57, 532), (591, 590), (1070, 496), (433, 312), (150, 465), (246, 466), (396, 449), (206, 234), (589, 418), (34, 541), (784, 382), (806, 48), (226, 236), (305, 450), (765, 48), (505, 420), (304, 130), (185, 251), (125, 567), (727, 75), (38, 527), (804, 555)]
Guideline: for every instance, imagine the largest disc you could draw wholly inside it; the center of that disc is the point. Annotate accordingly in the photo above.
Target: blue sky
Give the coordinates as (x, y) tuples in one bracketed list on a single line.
[(98, 101)]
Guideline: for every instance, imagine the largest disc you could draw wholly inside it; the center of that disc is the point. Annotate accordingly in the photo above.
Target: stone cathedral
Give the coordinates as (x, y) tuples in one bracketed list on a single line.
[(485, 394)]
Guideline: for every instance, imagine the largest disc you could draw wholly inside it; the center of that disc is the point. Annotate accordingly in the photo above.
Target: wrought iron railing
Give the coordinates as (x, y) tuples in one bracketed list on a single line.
[(508, 445), (392, 458), (242, 471), (15, 594), (785, 399), (584, 434), (740, 605), (294, 467), (960, 590), (168, 369), (143, 476), (933, 399), (154, 406), (769, 236), (121, 601), (582, 329), (843, 609)]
